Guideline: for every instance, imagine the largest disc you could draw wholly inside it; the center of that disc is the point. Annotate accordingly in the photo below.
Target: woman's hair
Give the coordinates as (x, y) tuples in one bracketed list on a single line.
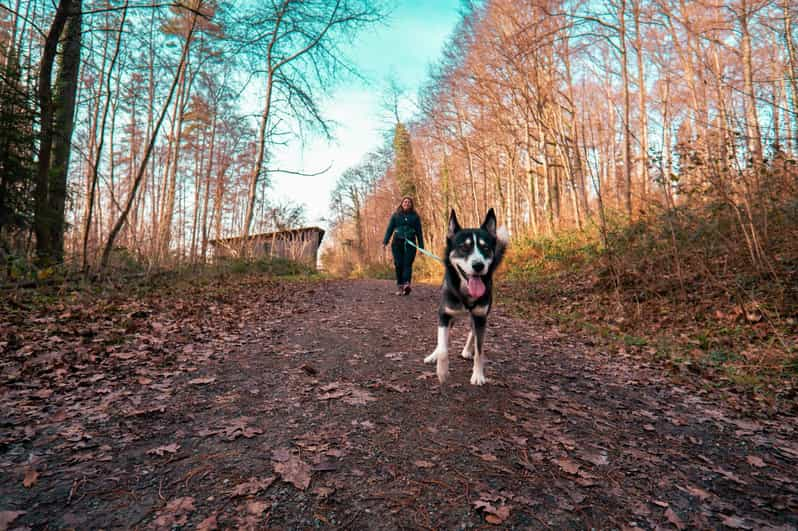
[(412, 204)]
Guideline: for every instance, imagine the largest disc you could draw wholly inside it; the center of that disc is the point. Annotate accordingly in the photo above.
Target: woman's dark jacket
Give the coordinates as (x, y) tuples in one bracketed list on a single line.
[(406, 226)]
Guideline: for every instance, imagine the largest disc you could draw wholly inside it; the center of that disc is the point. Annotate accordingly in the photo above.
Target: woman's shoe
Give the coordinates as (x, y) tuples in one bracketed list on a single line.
[(407, 289), (401, 291)]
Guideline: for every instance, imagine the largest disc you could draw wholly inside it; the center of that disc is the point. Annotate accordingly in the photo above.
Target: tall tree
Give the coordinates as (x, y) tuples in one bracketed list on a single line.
[(56, 124), (405, 163)]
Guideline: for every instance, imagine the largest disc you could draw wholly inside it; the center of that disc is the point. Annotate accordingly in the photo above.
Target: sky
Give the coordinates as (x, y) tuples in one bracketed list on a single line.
[(400, 48)]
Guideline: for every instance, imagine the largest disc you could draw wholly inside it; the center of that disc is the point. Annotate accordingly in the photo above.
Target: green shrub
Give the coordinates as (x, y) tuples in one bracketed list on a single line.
[(535, 258)]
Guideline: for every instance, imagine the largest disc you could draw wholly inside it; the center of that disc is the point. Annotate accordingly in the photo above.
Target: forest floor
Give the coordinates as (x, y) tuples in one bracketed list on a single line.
[(253, 403)]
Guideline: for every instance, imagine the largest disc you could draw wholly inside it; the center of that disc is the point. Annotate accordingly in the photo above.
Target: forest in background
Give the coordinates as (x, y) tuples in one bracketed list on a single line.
[(568, 115), (128, 132), (642, 155)]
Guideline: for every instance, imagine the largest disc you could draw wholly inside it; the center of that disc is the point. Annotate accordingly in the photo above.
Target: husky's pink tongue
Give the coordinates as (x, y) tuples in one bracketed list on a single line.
[(476, 288)]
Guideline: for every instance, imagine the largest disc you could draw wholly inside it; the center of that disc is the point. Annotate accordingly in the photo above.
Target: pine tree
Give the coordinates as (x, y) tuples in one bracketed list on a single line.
[(16, 148), (404, 161)]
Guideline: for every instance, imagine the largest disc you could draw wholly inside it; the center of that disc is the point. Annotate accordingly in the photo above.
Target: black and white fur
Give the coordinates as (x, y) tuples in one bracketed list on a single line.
[(472, 256)]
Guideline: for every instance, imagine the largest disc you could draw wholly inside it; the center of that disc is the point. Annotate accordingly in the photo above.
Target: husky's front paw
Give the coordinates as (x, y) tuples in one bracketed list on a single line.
[(478, 378), (443, 367), (467, 353), (432, 357)]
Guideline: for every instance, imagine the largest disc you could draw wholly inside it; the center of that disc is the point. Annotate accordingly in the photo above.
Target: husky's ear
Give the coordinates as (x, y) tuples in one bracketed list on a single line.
[(454, 226), (490, 223)]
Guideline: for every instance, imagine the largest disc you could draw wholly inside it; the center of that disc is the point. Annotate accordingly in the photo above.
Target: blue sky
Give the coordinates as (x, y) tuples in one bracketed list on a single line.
[(402, 48)]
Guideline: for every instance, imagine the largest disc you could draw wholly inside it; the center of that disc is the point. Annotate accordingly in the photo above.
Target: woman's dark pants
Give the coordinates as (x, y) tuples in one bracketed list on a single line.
[(403, 256)]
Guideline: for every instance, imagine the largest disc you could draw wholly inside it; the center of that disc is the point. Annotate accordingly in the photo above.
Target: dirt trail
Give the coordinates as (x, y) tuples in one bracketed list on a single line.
[(317, 411)]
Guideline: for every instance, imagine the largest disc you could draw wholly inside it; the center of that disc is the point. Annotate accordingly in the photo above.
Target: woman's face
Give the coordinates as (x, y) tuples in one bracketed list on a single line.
[(407, 204)]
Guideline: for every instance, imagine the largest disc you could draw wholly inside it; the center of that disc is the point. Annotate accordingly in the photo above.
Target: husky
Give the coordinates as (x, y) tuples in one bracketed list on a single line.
[(472, 256)]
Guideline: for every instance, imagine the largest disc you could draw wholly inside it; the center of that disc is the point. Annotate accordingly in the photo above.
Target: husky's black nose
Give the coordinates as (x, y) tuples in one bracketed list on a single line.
[(477, 266)]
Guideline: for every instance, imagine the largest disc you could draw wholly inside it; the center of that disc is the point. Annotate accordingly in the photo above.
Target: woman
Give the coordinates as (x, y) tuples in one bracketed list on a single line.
[(405, 227)]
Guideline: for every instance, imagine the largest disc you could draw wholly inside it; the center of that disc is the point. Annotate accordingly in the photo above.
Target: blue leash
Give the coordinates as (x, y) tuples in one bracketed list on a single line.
[(424, 251)]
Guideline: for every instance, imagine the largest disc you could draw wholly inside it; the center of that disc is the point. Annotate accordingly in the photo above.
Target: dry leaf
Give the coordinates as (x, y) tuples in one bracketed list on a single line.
[(209, 524), (8, 517), (701, 494), (201, 381), (489, 458), (423, 464), (323, 492), (30, 478), (252, 486), (735, 522), (257, 508), (730, 475), (359, 397), (338, 393), (294, 471), (567, 465), (493, 515), (281, 454), (169, 448), (674, 519), (598, 459), (175, 513), (756, 461)]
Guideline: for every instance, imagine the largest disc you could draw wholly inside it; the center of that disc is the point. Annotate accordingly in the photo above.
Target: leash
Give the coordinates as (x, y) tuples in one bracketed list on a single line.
[(424, 251)]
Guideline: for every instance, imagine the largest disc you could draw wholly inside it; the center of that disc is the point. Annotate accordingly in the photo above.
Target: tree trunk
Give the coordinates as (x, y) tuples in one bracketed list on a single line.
[(667, 159), (792, 74), (627, 134), (257, 169), (206, 197), (751, 115), (642, 99), (547, 185), (531, 182), (170, 176), (66, 88), (43, 216)]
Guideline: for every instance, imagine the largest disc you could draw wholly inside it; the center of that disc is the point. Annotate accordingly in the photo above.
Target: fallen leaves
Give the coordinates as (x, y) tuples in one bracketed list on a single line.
[(7, 518), (674, 518), (252, 486), (699, 493), (350, 393), (735, 522), (209, 524), (596, 458), (567, 465), (540, 437), (161, 450), (291, 468), (175, 513), (31, 475), (493, 514), (237, 428), (202, 381)]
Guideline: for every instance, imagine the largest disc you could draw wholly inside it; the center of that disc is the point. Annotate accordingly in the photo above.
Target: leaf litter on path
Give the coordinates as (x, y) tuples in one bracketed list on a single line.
[(187, 407)]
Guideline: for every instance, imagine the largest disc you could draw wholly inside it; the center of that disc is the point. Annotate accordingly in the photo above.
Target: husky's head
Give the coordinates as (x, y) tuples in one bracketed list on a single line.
[(475, 253)]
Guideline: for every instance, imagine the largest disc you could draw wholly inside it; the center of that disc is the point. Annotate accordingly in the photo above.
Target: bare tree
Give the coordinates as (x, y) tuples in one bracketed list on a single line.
[(290, 40)]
